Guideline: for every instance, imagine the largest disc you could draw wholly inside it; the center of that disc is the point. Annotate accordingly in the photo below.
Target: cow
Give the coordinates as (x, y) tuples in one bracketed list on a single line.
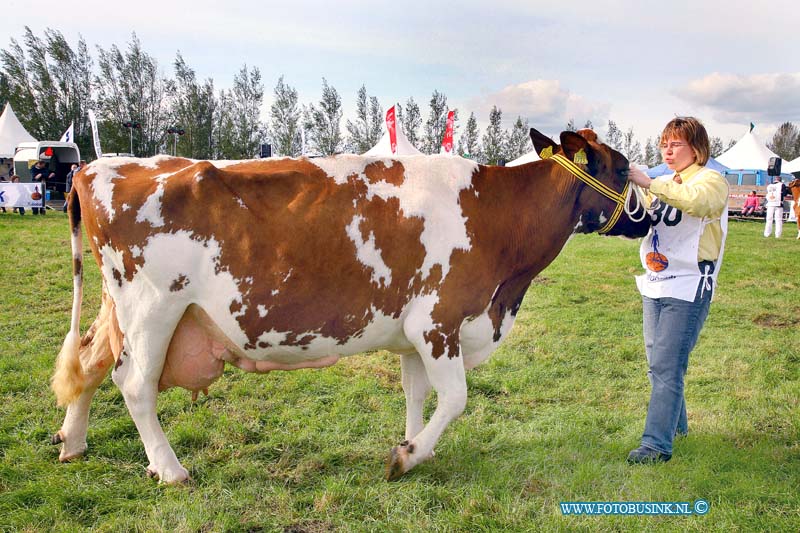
[(794, 186), (293, 263)]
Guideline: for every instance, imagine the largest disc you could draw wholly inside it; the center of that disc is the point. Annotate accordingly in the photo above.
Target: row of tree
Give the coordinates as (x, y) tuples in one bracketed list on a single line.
[(50, 84)]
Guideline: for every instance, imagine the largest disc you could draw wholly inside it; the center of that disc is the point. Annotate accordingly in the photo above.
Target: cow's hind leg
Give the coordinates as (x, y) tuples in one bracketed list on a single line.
[(80, 371), (416, 387), (137, 375), (447, 377)]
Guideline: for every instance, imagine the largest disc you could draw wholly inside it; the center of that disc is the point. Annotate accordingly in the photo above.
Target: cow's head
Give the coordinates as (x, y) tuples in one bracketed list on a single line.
[(602, 200)]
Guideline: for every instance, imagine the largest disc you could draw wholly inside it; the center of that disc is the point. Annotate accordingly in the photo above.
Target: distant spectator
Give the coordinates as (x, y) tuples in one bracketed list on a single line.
[(750, 204), (72, 171), (15, 179), (40, 173), (776, 192), (3, 180)]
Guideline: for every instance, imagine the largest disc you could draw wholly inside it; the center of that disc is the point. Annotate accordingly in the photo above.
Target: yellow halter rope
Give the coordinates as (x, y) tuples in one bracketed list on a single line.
[(597, 185)]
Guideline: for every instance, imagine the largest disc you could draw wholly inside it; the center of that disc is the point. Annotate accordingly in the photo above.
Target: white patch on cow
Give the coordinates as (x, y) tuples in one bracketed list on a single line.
[(603, 218), (383, 331), (167, 256), (578, 225), (477, 337), (262, 310), (105, 175), (151, 209), (368, 254), (153, 162), (136, 251), (430, 191), (341, 167), (198, 178), (241, 203), (125, 207), (272, 337), (288, 275), (420, 318), (103, 183), (276, 291)]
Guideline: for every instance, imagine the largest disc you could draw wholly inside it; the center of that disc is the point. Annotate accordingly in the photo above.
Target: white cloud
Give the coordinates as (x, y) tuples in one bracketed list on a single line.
[(768, 98), (545, 103)]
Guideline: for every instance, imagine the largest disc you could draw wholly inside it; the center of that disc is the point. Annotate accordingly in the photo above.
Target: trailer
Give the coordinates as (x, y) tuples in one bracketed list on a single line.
[(59, 156)]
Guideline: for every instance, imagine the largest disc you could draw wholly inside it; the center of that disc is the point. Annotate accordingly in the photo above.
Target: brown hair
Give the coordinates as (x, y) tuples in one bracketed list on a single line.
[(693, 132)]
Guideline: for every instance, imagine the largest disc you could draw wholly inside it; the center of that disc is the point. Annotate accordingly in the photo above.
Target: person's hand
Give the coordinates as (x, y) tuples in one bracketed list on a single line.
[(638, 177)]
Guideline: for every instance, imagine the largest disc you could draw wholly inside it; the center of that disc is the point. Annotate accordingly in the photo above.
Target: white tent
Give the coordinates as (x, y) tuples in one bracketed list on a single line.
[(384, 146), (749, 152), (525, 158), (11, 132), (791, 166)]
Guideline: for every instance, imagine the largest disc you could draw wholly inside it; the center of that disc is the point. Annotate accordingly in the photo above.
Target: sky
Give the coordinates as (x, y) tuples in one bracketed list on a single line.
[(637, 62)]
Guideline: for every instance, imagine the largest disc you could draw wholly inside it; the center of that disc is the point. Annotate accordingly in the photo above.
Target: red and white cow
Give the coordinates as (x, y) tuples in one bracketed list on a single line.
[(794, 186), (293, 263)]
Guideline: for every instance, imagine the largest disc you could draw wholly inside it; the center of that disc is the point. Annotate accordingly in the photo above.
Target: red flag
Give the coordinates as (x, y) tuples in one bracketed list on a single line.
[(447, 142), (391, 125)]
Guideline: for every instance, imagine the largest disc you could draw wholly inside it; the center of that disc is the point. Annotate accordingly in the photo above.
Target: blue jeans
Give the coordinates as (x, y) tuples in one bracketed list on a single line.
[(671, 328)]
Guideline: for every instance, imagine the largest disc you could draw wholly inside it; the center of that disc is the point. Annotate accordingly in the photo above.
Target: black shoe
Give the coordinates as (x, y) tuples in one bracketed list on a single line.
[(644, 455)]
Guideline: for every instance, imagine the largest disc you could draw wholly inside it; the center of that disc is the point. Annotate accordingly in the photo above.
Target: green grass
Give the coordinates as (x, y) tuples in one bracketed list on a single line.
[(551, 416)]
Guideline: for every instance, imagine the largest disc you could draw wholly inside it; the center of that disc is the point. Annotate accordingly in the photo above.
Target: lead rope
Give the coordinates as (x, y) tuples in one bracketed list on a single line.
[(641, 201)]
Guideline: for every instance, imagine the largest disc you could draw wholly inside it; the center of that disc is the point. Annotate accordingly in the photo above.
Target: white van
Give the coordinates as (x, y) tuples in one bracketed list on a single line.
[(59, 157)]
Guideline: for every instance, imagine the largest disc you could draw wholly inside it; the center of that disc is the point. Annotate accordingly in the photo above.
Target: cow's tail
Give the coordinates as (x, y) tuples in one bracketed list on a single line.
[(68, 379)]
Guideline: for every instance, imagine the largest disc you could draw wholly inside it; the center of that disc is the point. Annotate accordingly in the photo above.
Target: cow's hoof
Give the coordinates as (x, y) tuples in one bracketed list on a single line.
[(397, 465), (69, 449), (170, 476), (67, 455)]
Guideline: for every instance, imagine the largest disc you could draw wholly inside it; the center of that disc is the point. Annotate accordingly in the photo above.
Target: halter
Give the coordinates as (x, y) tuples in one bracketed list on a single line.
[(620, 198)]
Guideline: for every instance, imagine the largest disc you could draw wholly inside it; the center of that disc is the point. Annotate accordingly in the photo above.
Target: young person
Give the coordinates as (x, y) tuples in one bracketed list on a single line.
[(682, 256)]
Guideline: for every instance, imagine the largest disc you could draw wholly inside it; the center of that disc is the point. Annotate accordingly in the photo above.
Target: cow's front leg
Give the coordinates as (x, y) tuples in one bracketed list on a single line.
[(137, 376), (416, 387), (446, 376)]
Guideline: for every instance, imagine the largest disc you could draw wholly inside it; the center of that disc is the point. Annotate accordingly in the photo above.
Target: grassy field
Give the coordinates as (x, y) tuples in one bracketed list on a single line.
[(550, 418)]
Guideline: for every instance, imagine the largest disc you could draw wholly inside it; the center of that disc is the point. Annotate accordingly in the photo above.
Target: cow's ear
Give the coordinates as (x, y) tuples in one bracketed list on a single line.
[(576, 148), (544, 145)]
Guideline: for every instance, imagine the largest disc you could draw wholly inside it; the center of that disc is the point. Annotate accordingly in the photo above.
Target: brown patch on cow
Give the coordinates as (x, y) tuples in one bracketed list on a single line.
[(378, 171), (117, 276), (77, 266), (179, 284), (769, 320)]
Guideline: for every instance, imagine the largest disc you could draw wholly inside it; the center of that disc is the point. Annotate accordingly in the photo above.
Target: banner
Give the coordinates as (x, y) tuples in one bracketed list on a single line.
[(391, 125), (447, 142), (68, 136), (95, 134), (20, 195)]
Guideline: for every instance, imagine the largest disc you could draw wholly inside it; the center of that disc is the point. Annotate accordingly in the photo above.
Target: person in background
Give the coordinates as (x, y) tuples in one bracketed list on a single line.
[(682, 256), (3, 180), (72, 171), (40, 173), (776, 192), (750, 204), (15, 179)]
